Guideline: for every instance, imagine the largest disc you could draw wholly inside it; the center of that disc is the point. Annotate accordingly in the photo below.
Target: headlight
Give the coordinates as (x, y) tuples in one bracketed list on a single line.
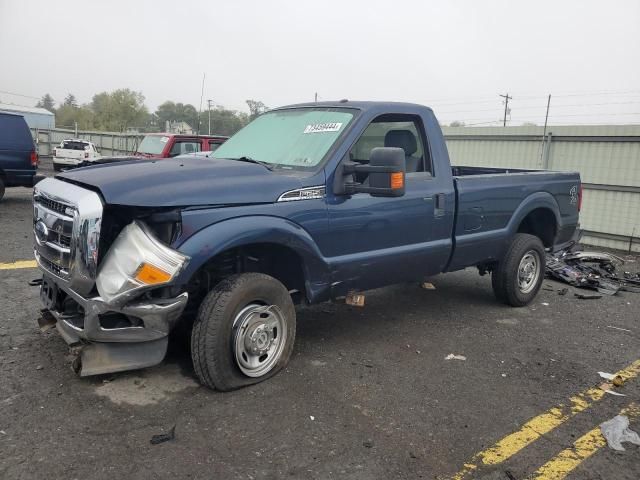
[(135, 261)]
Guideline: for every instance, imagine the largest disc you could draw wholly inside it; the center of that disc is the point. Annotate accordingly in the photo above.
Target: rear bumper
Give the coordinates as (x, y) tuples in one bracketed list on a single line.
[(20, 178), (68, 161)]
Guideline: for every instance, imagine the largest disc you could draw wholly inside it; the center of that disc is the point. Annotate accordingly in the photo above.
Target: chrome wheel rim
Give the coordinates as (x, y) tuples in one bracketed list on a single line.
[(528, 271), (259, 338)]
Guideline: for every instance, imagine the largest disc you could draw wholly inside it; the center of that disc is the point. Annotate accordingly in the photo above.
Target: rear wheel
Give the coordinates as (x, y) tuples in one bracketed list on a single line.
[(244, 332), (57, 167), (519, 275)]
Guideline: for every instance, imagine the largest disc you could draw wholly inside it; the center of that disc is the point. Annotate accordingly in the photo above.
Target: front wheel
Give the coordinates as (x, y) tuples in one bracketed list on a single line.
[(244, 332), (519, 275)]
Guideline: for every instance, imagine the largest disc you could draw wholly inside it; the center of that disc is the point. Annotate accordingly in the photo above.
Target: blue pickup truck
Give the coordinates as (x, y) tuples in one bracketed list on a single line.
[(307, 203)]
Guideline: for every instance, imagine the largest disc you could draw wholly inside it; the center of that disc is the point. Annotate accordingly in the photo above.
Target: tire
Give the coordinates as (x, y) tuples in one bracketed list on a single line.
[(518, 276), (2, 188), (56, 167), (228, 326)]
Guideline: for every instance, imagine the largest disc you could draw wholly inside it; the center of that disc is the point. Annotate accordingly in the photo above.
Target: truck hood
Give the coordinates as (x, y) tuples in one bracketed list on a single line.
[(183, 182)]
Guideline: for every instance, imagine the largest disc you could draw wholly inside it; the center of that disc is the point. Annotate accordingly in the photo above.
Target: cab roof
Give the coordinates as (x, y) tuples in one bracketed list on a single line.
[(360, 105)]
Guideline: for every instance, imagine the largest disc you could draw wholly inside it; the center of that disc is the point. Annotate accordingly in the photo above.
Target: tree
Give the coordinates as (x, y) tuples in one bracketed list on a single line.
[(176, 112), (256, 108), (47, 102), (70, 100), (223, 121), (457, 123), (68, 115), (119, 110)]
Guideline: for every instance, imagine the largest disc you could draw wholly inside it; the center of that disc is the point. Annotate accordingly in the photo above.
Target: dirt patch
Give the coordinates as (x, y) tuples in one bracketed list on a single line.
[(146, 388)]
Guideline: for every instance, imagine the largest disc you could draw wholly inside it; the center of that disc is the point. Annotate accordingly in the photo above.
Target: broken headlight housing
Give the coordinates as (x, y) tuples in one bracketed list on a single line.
[(137, 260)]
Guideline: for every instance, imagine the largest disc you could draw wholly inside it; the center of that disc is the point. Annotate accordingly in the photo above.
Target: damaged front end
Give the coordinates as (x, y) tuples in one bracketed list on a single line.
[(110, 295)]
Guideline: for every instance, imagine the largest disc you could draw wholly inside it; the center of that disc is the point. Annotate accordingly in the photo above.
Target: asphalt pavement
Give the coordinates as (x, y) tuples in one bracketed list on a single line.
[(368, 394)]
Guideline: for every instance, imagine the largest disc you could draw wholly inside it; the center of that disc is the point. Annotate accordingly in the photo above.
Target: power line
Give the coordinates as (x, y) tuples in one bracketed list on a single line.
[(19, 95)]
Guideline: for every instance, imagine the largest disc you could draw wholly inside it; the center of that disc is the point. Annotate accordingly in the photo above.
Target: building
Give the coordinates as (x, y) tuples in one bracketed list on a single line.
[(35, 117), (179, 127)]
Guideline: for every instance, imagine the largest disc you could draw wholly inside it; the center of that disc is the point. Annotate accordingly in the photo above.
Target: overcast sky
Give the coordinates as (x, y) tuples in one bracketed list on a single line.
[(456, 56)]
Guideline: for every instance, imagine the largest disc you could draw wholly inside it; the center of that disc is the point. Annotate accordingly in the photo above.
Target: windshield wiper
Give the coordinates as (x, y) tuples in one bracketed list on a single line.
[(266, 165)]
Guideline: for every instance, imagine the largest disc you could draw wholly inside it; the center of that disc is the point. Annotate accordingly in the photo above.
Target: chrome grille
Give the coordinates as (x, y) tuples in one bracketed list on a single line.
[(66, 226), (52, 204)]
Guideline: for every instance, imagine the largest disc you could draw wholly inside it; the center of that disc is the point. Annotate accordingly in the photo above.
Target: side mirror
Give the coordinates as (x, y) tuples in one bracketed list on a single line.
[(386, 173)]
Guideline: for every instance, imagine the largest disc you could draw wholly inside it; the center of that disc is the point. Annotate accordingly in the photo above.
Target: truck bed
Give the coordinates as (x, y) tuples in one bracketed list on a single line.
[(488, 202)]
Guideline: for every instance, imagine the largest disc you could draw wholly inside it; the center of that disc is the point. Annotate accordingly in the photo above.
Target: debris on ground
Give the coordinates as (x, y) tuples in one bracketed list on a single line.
[(451, 356), (354, 299), (606, 388), (563, 291), (617, 380), (592, 270), (164, 437), (428, 286), (368, 443), (587, 296), (619, 328), (616, 431)]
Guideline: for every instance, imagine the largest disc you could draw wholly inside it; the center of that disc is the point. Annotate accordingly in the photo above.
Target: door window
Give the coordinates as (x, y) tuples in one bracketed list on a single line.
[(181, 148), (400, 131)]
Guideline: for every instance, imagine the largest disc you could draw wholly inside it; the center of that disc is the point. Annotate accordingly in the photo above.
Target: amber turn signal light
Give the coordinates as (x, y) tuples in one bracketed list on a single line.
[(151, 275), (397, 180)]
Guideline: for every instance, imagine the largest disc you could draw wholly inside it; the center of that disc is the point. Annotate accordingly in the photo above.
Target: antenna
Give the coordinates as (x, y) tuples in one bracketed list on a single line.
[(201, 96)]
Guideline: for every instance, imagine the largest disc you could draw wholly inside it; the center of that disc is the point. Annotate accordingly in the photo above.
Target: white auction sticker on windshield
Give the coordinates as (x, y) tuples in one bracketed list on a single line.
[(164, 139), (323, 127)]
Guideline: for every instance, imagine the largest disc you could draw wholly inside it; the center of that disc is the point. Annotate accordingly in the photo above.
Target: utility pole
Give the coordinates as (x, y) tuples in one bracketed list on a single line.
[(544, 132), (316, 97), (506, 108), (209, 102)]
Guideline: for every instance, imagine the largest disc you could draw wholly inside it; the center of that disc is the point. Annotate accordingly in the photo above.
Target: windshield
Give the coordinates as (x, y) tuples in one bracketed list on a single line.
[(297, 138), (152, 144)]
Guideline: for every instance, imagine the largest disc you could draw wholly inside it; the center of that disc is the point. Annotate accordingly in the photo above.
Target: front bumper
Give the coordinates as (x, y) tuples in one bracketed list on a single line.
[(104, 348)]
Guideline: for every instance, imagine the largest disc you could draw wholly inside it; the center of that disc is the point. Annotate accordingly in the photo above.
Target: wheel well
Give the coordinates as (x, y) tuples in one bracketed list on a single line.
[(540, 222), (272, 259)]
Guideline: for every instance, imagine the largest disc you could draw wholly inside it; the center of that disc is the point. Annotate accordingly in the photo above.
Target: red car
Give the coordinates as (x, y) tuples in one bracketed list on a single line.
[(166, 145)]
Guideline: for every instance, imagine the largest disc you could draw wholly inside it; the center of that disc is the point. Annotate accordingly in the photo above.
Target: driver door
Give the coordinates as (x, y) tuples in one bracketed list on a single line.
[(377, 241)]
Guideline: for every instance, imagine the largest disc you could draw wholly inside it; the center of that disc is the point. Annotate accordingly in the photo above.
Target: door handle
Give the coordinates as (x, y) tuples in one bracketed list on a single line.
[(439, 206)]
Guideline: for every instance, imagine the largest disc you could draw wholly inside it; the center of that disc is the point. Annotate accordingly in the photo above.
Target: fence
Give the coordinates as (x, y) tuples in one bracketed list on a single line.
[(607, 157), (107, 143)]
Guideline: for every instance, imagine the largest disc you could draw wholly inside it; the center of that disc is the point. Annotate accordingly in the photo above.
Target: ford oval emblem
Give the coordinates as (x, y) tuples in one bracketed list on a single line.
[(41, 232)]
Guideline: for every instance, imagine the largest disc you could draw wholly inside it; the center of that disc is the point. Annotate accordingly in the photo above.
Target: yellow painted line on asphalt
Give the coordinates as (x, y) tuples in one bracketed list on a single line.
[(567, 460), (18, 264), (539, 426)]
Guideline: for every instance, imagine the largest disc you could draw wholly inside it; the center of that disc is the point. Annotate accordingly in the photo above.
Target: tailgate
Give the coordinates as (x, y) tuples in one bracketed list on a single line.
[(71, 154)]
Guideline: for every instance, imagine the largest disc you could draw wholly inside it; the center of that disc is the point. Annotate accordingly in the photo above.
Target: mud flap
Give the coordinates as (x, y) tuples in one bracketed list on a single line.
[(99, 358)]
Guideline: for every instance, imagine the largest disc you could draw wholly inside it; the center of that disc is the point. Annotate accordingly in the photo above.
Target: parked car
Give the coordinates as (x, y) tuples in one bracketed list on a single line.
[(307, 203), (18, 154), (73, 152), (166, 145)]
